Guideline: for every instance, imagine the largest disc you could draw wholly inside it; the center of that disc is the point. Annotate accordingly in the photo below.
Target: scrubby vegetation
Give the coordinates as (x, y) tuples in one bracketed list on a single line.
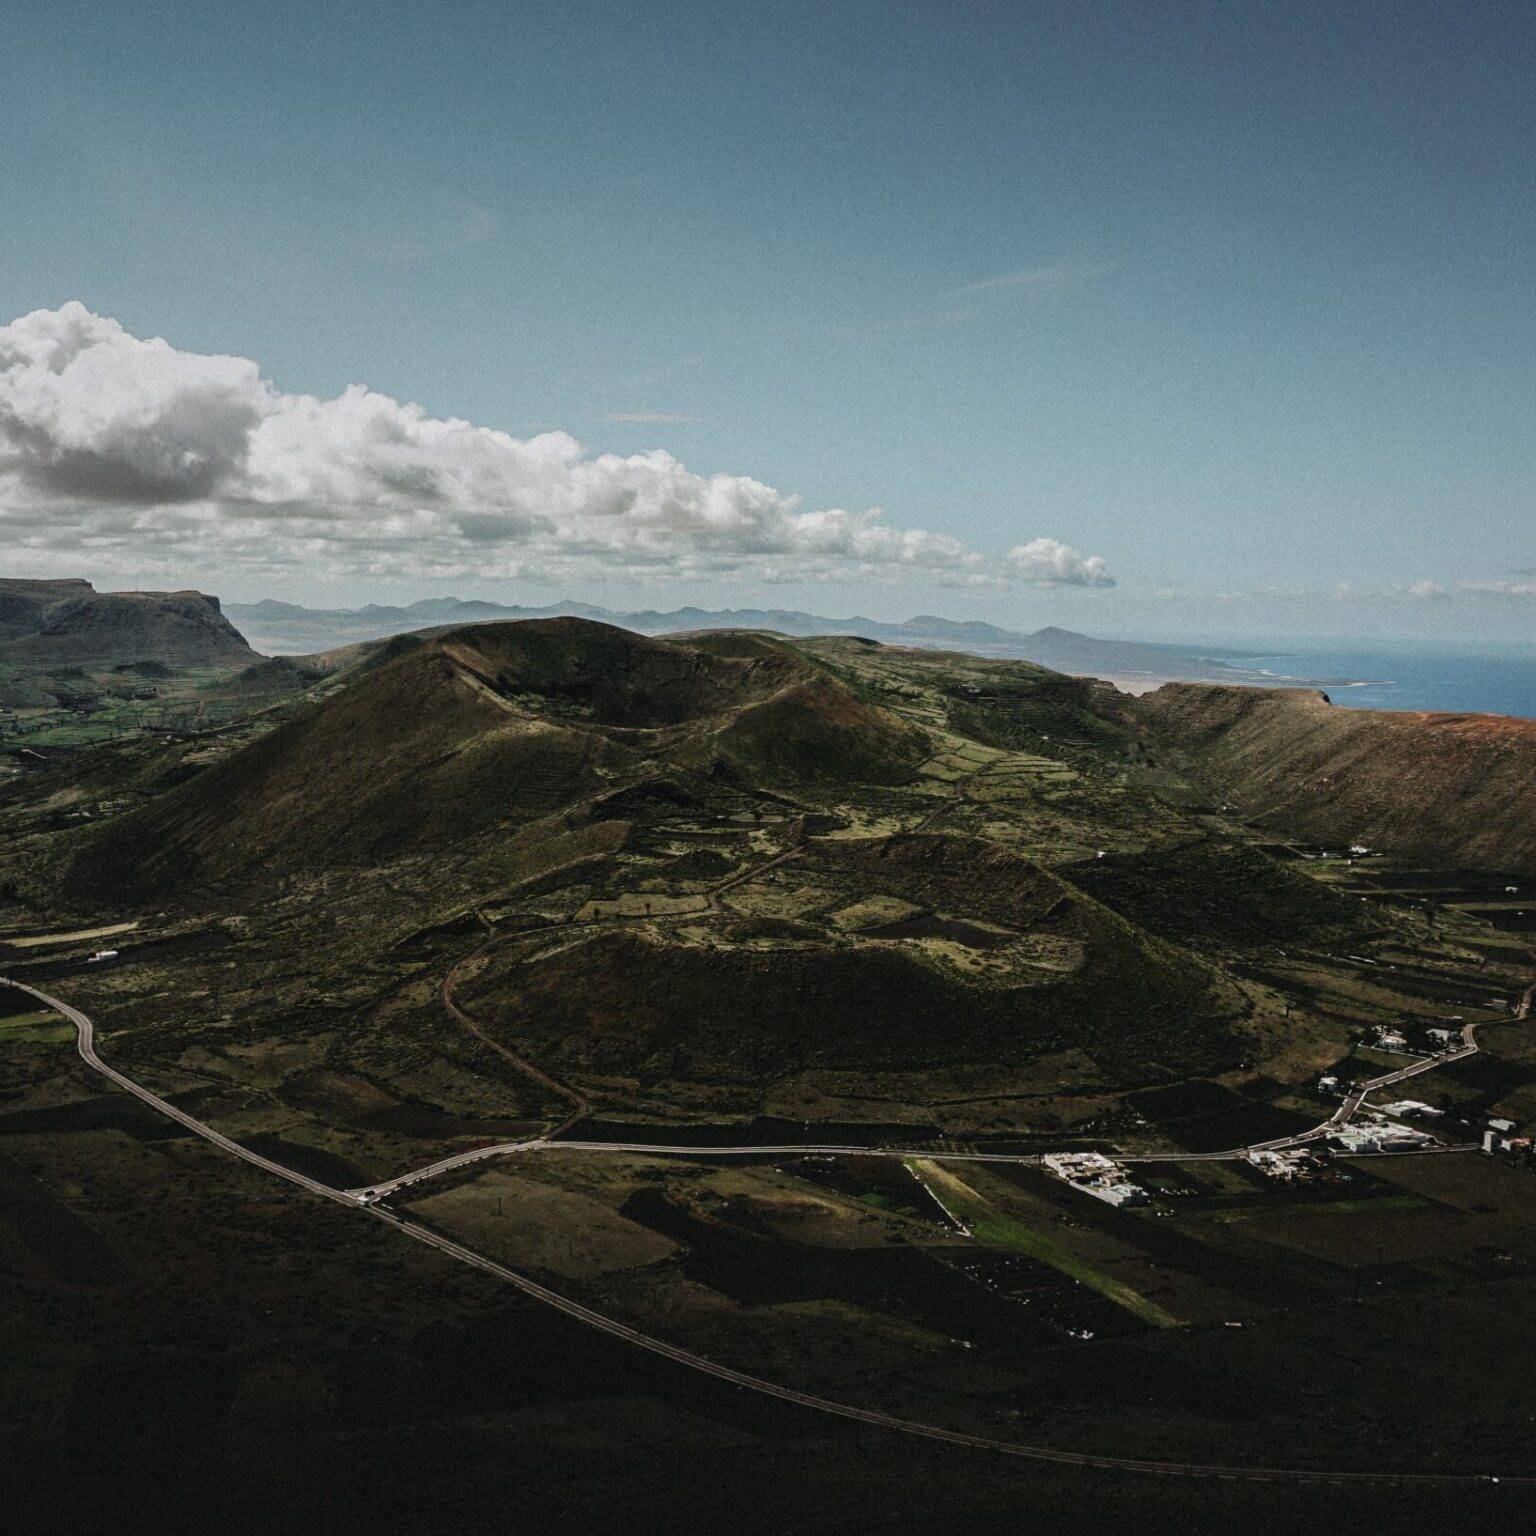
[(489, 727), (1210, 892)]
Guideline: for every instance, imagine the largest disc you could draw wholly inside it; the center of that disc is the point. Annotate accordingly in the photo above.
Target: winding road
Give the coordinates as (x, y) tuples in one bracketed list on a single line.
[(364, 1202)]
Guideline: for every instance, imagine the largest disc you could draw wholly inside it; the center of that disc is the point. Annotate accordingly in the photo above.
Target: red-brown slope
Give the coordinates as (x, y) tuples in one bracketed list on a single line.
[(1459, 789)]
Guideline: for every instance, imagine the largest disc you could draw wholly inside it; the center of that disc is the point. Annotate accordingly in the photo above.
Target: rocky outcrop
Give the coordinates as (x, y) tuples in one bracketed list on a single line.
[(68, 623)]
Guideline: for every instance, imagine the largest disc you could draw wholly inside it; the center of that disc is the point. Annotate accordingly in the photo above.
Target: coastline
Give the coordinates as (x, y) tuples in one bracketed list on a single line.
[(1138, 683)]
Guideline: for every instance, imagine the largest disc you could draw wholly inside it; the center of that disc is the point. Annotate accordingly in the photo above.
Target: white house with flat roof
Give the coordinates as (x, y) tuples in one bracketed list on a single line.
[(1096, 1175)]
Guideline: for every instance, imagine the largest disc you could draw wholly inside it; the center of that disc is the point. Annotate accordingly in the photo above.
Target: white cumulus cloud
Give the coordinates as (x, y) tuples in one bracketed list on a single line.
[(136, 452), (1057, 564)]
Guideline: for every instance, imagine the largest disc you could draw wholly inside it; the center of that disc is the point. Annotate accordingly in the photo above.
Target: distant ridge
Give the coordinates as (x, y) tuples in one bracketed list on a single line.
[(47, 624), (277, 627)]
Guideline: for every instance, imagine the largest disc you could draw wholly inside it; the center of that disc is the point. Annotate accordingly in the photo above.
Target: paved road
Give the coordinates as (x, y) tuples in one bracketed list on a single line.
[(556, 1140), (614, 1328), (1352, 1102), (85, 1043)]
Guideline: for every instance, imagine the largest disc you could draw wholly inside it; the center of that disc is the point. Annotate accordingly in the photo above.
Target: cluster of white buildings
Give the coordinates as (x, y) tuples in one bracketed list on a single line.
[(1440, 1039), (1500, 1137), (1410, 1109), (1287, 1163), (1378, 1136), (1096, 1175)]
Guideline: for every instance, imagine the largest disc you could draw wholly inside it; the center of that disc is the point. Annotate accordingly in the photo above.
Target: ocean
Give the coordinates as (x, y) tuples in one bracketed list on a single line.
[(1429, 675)]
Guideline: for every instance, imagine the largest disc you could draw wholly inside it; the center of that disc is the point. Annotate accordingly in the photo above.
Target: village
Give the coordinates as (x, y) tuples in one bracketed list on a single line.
[(1359, 1129)]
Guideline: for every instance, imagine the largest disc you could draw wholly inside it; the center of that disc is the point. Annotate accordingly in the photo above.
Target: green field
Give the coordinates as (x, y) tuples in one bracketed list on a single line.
[(40, 1028), (998, 1231), (1369, 1203)]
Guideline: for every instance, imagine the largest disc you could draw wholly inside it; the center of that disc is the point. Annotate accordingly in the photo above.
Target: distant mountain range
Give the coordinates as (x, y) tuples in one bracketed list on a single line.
[(287, 628)]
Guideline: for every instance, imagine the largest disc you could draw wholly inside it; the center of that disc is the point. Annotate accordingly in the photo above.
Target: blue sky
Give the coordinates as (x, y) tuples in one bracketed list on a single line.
[(1237, 297)]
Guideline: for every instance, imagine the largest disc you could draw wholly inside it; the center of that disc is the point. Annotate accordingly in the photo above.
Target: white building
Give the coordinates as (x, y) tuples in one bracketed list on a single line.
[(1116, 1192), (1288, 1164), (1378, 1135), (1079, 1165), (1096, 1175), (1493, 1141)]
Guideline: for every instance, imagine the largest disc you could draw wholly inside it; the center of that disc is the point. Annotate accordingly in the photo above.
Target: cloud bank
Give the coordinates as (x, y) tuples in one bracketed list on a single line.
[(137, 454)]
